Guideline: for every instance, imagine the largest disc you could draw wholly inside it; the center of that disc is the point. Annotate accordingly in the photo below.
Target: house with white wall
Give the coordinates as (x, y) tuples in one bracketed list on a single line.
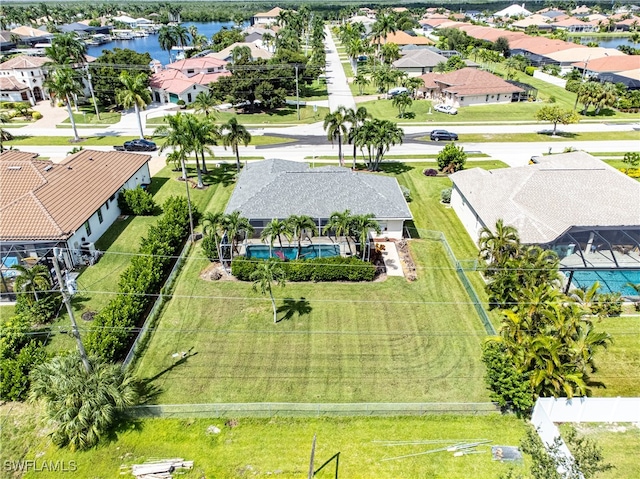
[(28, 71), (69, 204)]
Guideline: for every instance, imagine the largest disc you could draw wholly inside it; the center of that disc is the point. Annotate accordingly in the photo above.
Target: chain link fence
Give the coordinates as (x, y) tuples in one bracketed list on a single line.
[(310, 409)]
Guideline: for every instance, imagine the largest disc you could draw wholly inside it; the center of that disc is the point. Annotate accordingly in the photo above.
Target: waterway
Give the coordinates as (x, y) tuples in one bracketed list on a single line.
[(612, 42), (150, 44)]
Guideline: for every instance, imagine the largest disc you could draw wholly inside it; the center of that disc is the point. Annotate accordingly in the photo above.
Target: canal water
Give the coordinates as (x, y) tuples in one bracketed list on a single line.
[(150, 44)]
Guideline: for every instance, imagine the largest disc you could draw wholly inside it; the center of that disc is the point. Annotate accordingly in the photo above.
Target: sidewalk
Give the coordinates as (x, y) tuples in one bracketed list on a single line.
[(337, 85)]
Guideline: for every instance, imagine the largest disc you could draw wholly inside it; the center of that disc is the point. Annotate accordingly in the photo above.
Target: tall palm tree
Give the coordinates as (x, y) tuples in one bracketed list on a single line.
[(497, 247), (377, 137), (361, 80), (177, 135), (265, 274), (204, 132), (135, 93), (204, 102), (32, 280), (62, 86), (82, 406), (276, 229), (336, 128), (233, 133), (182, 35), (167, 38), (299, 225), (340, 224), (234, 224), (402, 102), (384, 25), (607, 97), (213, 224), (356, 119), (360, 227)]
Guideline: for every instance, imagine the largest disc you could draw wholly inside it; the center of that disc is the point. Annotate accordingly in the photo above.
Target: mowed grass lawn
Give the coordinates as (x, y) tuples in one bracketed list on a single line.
[(279, 446), (388, 341)]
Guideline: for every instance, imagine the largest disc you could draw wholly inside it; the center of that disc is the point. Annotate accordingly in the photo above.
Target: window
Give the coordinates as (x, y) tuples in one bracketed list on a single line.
[(106, 204), (87, 228), (99, 216), (112, 197), (31, 73)]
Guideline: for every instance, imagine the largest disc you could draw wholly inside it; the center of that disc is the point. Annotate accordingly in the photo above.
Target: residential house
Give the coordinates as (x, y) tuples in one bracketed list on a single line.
[(401, 38), (184, 79), (226, 54), (537, 21), (469, 86), (536, 49), (277, 189), (266, 18), (69, 204), (618, 69), (567, 58), (513, 11), (8, 40), (28, 71), (418, 62), (32, 36), (576, 25), (572, 203)]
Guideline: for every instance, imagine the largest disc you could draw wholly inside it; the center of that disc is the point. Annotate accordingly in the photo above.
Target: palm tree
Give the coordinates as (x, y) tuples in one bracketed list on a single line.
[(336, 128), (275, 229), (32, 280), (607, 97), (413, 84), (361, 81), (589, 94), (263, 276), (356, 119), (177, 158), (71, 47), (384, 25), (213, 224), (300, 224), (82, 406), (204, 102), (235, 224), (384, 77), (181, 35), (497, 247), (62, 86), (389, 53), (204, 132), (233, 133), (4, 135), (167, 38), (360, 227), (378, 136), (402, 102), (135, 94), (340, 224)]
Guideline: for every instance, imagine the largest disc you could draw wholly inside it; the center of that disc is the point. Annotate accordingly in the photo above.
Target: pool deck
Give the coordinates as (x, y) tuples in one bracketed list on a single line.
[(602, 259)]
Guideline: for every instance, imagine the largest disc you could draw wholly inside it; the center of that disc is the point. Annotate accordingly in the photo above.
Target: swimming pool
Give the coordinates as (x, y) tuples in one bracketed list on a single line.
[(289, 252), (610, 281)]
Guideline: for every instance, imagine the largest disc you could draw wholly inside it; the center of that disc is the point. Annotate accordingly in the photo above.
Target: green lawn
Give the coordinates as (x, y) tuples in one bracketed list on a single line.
[(117, 140), (619, 443), (533, 137), (278, 446), (387, 345), (619, 364), (87, 115)]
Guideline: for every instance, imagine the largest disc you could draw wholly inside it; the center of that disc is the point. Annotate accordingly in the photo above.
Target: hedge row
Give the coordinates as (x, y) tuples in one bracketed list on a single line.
[(335, 268), (110, 334)]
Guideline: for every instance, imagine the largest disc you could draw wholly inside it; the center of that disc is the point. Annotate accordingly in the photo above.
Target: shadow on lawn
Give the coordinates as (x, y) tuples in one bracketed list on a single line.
[(184, 356), (224, 175), (291, 307)]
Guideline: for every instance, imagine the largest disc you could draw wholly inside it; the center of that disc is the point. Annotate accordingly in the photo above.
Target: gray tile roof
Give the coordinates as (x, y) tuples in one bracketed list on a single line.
[(279, 188), (546, 199), (419, 58)]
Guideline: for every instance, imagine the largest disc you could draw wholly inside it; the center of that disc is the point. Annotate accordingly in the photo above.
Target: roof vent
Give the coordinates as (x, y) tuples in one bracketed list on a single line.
[(69, 168), (14, 167), (48, 168), (90, 158)]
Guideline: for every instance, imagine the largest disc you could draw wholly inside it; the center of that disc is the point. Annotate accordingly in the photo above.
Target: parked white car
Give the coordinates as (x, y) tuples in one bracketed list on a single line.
[(446, 109)]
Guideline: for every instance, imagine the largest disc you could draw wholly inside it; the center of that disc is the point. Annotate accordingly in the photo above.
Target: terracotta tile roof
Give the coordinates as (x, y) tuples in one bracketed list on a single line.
[(471, 81), (583, 54), (402, 38), (429, 80), (174, 81), (633, 74), (612, 64), (11, 84), (541, 45), (23, 61), (41, 200), (201, 63), (573, 21), (274, 12), (488, 33)]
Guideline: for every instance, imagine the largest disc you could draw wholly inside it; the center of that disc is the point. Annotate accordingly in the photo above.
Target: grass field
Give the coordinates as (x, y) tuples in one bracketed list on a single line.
[(278, 447), (619, 443), (533, 137)]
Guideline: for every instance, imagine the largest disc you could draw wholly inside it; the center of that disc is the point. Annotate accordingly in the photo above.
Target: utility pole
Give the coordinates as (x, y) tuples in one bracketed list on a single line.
[(93, 97), (297, 94), (67, 303)]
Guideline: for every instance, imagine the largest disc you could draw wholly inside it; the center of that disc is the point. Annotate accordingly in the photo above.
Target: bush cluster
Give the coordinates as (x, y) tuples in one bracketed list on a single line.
[(607, 305), (445, 195), (110, 334), (335, 268), (529, 70), (136, 202), (20, 352)]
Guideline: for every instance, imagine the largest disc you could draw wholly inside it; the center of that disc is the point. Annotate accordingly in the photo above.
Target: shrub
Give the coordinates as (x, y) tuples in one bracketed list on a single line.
[(14, 371), (430, 172), (136, 202), (529, 70), (607, 305), (445, 195), (36, 115), (573, 85), (209, 247), (451, 158), (335, 268), (41, 311)]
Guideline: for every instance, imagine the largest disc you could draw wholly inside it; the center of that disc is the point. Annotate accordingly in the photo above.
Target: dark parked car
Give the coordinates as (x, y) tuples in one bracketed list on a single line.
[(138, 145), (437, 135)]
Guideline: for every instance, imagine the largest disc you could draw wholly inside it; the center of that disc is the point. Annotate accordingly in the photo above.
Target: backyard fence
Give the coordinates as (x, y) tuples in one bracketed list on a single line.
[(156, 309), (461, 267), (311, 409)]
